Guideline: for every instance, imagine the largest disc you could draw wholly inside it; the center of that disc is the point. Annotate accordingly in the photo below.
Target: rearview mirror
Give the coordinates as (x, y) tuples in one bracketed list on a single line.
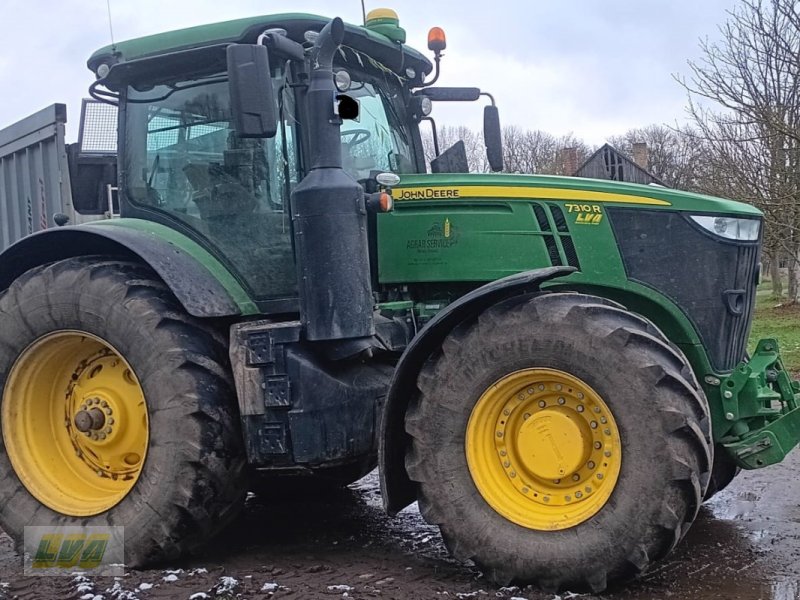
[(493, 137), (252, 96)]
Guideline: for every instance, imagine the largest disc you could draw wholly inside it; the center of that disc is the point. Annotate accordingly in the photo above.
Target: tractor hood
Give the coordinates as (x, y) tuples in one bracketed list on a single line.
[(501, 187), (478, 228)]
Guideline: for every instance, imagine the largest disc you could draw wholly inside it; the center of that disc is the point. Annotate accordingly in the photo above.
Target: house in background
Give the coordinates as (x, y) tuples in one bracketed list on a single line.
[(609, 163)]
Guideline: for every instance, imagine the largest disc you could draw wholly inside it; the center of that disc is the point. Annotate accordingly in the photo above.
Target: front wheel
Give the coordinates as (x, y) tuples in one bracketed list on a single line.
[(559, 440), (117, 409)]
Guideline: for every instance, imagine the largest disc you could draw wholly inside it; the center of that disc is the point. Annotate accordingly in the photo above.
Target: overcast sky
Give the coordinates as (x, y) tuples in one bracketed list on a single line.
[(592, 68)]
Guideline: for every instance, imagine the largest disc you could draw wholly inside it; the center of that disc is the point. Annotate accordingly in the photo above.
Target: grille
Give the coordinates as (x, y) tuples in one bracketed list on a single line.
[(712, 280)]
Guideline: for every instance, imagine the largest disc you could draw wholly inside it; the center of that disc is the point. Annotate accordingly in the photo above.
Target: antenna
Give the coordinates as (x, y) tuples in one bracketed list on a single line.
[(363, 12), (110, 26)]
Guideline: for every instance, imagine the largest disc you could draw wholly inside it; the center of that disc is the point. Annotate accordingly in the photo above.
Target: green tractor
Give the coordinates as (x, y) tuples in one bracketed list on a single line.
[(554, 368)]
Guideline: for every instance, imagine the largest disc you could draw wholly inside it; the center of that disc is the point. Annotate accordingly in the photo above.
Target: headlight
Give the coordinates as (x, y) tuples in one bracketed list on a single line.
[(743, 230)]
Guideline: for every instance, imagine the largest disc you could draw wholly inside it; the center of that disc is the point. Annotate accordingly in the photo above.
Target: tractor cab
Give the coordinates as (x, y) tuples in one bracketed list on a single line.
[(186, 162)]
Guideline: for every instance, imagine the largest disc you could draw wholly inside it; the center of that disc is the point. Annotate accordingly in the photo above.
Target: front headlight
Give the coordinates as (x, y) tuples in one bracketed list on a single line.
[(743, 230)]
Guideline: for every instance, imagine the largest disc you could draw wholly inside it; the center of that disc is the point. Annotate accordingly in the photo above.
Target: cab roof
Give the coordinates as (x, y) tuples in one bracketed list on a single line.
[(246, 31)]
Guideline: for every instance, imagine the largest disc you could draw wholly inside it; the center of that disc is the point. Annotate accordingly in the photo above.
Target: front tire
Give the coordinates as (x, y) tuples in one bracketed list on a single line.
[(516, 475), (118, 409)]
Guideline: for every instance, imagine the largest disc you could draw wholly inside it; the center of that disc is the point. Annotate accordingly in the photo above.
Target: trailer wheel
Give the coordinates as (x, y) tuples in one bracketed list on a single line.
[(117, 409), (559, 440)]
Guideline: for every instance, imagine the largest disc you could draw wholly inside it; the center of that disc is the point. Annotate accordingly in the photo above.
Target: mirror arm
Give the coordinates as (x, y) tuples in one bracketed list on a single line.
[(488, 95), (435, 135)]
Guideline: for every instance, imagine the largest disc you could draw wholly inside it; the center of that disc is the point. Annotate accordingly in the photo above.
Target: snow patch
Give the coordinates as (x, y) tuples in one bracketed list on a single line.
[(145, 586), (226, 585), (339, 588), (199, 596), (270, 587), (170, 578), (117, 592)]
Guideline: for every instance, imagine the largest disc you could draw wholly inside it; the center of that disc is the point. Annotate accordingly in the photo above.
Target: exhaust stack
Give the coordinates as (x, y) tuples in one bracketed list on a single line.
[(329, 216)]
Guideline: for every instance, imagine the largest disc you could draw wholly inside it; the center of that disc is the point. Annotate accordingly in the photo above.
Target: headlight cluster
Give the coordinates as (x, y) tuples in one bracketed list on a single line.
[(743, 230)]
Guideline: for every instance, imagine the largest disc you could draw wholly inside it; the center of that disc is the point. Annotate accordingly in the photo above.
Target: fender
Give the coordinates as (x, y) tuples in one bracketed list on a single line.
[(397, 489), (200, 282)]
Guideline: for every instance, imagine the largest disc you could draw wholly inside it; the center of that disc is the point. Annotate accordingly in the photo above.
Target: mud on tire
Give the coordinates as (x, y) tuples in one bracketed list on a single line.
[(192, 482), (661, 415)]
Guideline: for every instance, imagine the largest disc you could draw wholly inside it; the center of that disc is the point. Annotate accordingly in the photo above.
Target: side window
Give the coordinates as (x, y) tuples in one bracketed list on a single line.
[(184, 159)]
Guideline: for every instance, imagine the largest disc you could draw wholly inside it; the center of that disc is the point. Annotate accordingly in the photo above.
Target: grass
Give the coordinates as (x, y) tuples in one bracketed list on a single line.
[(776, 320)]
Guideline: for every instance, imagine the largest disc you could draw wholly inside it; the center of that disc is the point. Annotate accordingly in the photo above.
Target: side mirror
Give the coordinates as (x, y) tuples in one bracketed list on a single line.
[(252, 96), (493, 137)]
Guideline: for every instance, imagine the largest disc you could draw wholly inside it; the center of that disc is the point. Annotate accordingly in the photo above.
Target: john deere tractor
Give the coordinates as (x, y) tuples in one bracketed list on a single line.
[(554, 368)]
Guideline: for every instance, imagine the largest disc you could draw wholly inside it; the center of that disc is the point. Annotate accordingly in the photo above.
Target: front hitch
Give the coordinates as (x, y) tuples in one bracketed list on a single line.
[(760, 401)]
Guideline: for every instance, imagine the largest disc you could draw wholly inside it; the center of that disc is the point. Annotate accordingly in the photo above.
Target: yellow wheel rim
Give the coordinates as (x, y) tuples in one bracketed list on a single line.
[(75, 423), (543, 449)]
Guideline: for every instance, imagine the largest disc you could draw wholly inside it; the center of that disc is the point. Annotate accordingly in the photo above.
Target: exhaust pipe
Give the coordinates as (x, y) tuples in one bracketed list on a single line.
[(330, 218)]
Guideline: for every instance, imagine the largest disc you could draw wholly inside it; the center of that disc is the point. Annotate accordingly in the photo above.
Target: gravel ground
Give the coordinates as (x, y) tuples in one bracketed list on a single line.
[(744, 545)]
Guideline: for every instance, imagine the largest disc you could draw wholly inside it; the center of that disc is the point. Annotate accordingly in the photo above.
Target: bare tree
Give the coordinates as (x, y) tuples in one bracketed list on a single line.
[(752, 127)]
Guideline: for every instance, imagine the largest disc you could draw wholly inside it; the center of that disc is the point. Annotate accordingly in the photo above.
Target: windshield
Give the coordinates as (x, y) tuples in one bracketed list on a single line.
[(380, 139), (183, 159)]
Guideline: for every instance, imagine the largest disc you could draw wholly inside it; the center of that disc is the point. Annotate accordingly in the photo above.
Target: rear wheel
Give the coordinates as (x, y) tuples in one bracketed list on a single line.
[(559, 440), (117, 409)]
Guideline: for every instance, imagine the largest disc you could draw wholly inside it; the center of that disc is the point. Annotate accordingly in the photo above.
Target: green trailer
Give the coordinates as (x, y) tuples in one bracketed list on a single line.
[(554, 368)]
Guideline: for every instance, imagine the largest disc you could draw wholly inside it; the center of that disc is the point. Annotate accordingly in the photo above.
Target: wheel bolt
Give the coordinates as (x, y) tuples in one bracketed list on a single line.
[(607, 431), (590, 464), (530, 390), (108, 430), (576, 477), (580, 395), (525, 490), (559, 387), (607, 453), (603, 420), (580, 408), (561, 401), (588, 489), (111, 421), (541, 387), (499, 434), (556, 481), (99, 473), (597, 409), (599, 475), (506, 412), (579, 494), (109, 411), (526, 416), (503, 452), (512, 474), (546, 498), (542, 403), (597, 445), (568, 498), (507, 464), (593, 424)]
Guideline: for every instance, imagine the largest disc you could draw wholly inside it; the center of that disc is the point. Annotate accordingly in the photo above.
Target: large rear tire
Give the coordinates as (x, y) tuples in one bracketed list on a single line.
[(559, 440), (118, 409)]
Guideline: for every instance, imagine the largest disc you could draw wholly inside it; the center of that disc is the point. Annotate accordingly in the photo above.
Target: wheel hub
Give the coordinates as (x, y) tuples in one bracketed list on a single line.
[(543, 449), (89, 420), (551, 444)]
